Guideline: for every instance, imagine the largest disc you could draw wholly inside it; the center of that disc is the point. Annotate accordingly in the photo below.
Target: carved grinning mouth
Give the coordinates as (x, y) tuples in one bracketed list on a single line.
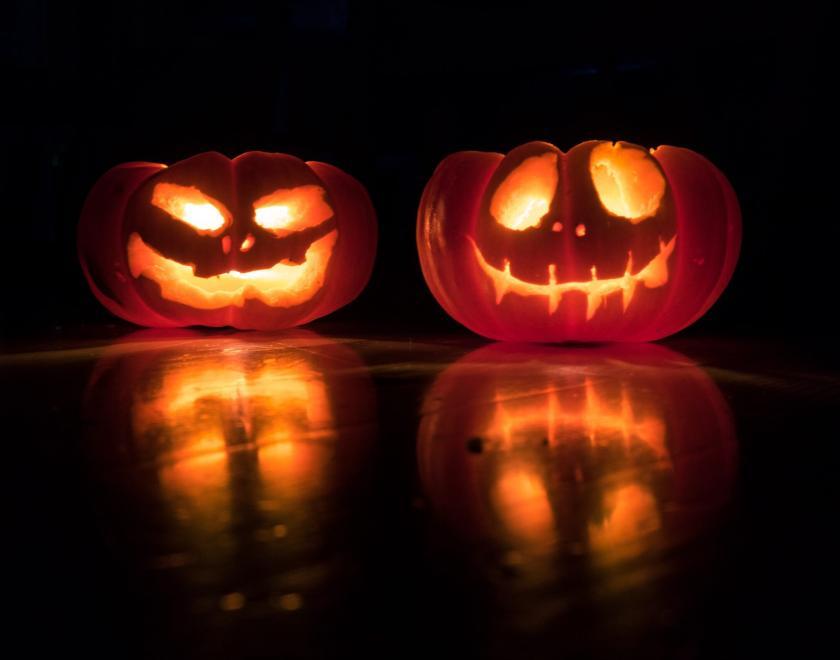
[(285, 284), (653, 275)]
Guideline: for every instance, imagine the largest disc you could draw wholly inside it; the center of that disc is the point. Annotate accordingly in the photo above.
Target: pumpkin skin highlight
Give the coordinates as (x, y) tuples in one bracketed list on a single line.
[(262, 241), (581, 271)]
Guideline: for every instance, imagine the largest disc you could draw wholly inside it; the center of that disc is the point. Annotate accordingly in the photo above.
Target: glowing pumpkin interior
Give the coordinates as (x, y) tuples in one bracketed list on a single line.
[(628, 183), (528, 202), (289, 210), (192, 207), (524, 197), (282, 214)]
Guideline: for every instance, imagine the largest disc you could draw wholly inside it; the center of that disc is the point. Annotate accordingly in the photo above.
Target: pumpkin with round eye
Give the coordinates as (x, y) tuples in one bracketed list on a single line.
[(607, 242), (262, 241)]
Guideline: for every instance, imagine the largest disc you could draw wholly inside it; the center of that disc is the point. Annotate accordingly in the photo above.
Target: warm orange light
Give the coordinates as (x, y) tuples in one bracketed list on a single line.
[(283, 285), (632, 514), (653, 275), (288, 210), (530, 415), (205, 412), (194, 399), (542, 411), (629, 183), (603, 454), (525, 196), (522, 502), (580, 231), (192, 207)]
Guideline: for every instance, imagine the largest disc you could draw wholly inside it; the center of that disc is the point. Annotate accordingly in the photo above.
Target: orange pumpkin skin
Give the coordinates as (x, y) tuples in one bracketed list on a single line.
[(608, 242), (262, 241)]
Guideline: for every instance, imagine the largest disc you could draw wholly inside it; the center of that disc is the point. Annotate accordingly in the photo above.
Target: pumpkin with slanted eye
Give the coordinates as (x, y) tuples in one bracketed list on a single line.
[(607, 242), (262, 241)]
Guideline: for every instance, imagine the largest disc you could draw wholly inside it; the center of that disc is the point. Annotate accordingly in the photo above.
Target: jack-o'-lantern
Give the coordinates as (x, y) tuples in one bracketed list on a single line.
[(603, 454), (227, 454), (607, 242), (263, 241)]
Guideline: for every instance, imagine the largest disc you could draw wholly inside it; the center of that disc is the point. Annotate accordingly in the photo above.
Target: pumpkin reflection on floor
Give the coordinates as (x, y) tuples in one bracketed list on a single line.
[(245, 445), (204, 411), (575, 460)]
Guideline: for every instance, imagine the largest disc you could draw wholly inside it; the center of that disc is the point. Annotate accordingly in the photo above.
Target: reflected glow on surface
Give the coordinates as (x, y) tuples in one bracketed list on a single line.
[(609, 453), (632, 514), (241, 453), (522, 502), (600, 418), (203, 410), (210, 404)]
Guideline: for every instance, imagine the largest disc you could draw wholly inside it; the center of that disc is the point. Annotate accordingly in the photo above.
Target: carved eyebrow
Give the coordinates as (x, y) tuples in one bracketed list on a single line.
[(192, 207), (288, 210)]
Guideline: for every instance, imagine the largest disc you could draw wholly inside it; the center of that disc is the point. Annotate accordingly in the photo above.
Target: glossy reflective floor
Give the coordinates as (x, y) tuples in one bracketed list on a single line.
[(189, 494)]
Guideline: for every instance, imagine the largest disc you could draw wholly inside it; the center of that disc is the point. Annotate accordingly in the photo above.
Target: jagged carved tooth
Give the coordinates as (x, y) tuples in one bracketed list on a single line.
[(594, 272), (627, 291), (593, 302), (628, 269), (554, 298), (502, 282)]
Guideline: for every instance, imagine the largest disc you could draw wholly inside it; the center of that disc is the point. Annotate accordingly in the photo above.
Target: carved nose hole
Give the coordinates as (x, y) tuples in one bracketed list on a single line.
[(557, 226), (226, 244), (247, 244), (580, 231)]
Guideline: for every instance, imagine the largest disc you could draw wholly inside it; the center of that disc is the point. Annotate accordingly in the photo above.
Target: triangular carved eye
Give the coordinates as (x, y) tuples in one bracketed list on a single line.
[(289, 210), (192, 207), (628, 181), (524, 197)]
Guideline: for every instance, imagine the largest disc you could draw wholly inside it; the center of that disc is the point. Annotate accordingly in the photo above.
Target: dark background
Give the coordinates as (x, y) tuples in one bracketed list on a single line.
[(385, 91)]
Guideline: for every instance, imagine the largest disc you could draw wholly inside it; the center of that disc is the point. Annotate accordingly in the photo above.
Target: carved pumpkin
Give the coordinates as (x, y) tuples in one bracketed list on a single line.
[(262, 241), (611, 452), (607, 242)]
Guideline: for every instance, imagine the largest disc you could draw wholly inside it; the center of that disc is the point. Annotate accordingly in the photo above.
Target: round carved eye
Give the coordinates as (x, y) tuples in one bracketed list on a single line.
[(289, 210), (192, 207), (629, 183), (524, 197)]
